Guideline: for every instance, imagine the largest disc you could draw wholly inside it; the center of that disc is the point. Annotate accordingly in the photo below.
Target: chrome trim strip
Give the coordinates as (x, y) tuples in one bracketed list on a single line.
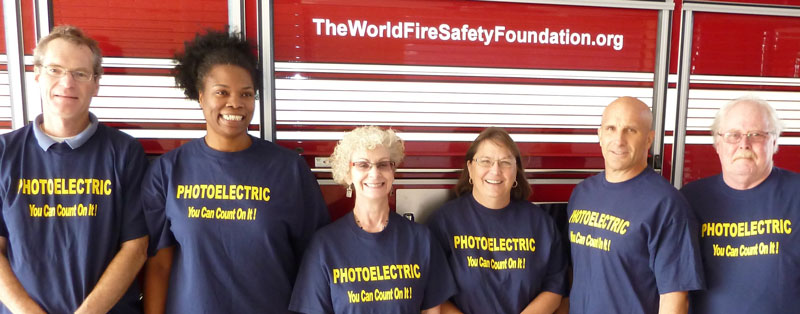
[(12, 17), (684, 67)]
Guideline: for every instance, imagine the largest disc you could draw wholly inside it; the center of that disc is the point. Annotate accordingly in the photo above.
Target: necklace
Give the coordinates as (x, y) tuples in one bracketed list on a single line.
[(382, 226)]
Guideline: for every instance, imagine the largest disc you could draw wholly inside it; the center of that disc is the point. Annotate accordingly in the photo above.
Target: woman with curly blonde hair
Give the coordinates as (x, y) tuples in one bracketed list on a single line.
[(371, 260)]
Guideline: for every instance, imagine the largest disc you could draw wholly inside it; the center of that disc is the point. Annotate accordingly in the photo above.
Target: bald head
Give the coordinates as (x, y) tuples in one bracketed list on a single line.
[(632, 108), (625, 137)]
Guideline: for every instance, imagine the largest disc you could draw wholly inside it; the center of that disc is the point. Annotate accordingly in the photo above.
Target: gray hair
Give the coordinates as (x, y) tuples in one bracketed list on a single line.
[(775, 124)]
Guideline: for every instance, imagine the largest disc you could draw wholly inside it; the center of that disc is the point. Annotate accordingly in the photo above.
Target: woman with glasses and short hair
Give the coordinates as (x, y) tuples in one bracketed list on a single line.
[(371, 260), (505, 252)]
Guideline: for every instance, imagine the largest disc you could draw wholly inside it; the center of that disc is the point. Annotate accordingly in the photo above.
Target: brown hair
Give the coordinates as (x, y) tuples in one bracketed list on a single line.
[(500, 137), (75, 36)]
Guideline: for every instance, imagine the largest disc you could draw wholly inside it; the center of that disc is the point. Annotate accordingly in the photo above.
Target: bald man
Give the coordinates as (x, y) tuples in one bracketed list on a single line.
[(629, 229), (747, 215)]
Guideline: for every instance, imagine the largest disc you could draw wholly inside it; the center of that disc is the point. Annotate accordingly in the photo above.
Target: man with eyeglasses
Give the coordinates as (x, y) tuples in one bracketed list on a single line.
[(747, 215), (72, 233), (629, 229)]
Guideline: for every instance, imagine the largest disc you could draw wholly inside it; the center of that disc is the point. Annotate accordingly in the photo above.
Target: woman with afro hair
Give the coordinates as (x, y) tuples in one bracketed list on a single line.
[(229, 214)]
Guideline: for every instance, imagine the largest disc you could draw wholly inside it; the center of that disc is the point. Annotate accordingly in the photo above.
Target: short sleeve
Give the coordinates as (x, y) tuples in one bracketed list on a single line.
[(674, 252), (437, 225), (312, 292), (133, 222), (555, 279), (314, 210), (440, 285), (154, 190), (3, 228)]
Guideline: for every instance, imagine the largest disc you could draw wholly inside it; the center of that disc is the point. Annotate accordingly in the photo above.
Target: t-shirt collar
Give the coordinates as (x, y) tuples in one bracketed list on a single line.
[(45, 141)]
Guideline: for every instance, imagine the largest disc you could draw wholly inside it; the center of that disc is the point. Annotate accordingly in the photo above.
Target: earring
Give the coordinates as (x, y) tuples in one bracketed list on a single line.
[(515, 184), (349, 192), (470, 181)]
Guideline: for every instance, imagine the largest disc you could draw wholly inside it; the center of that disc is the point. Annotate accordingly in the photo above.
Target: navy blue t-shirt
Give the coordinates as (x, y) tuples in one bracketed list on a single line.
[(348, 270), (239, 222), (65, 213), (631, 241), (751, 254), (501, 259)]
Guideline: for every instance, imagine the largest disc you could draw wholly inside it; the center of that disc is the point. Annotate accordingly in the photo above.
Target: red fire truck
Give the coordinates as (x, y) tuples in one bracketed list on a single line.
[(439, 71)]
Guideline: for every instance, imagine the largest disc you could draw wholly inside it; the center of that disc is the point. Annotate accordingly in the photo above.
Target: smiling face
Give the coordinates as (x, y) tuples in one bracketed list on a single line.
[(747, 161), (64, 97), (625, 137), (228, 101), (493, 171), (372, 183)]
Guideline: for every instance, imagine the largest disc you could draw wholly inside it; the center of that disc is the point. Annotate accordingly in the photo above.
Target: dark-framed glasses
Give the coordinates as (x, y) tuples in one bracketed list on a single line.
[(506, 163), (752, 136), (59, 72), (384, 165)]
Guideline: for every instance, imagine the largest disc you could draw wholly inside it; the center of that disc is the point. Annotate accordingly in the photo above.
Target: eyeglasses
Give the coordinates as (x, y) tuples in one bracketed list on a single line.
[(753, 136), (382, 166), (488, 162), (59, 72)]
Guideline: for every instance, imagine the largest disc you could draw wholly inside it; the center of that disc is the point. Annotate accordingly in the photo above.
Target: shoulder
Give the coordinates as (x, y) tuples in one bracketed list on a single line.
[(16, 137), (531, 210), (657, 181), (14, 140), (336, 236), (274, 150), (333, 231), (411, 229), (113, 134), (588, 186), (11, 148), (534, 217), (15, 134), (653, 185), (787, 177), (699, 187), (450, 208), (275, 154), (118, 140), (190, 147), (186, 153), (591, 182)]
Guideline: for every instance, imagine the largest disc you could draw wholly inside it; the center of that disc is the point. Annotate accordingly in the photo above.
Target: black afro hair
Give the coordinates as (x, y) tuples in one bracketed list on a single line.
[(210, 49)]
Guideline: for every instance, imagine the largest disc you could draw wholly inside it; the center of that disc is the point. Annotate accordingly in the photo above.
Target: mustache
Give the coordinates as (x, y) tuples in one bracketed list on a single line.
[(744, 154)]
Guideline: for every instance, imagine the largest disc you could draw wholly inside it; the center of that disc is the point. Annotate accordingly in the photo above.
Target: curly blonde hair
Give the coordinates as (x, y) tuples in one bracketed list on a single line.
[(360, 139)]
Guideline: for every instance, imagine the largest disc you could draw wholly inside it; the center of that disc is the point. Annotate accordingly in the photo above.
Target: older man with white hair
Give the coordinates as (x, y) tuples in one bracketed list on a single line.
[(751, 255)]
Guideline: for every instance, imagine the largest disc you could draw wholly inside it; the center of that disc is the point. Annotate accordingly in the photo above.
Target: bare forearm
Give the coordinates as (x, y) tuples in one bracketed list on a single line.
[(12, 294), (156, 281), (449, 308), (544, 303), (564, 307), (434, 310), (674, 303), (117, 277)]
